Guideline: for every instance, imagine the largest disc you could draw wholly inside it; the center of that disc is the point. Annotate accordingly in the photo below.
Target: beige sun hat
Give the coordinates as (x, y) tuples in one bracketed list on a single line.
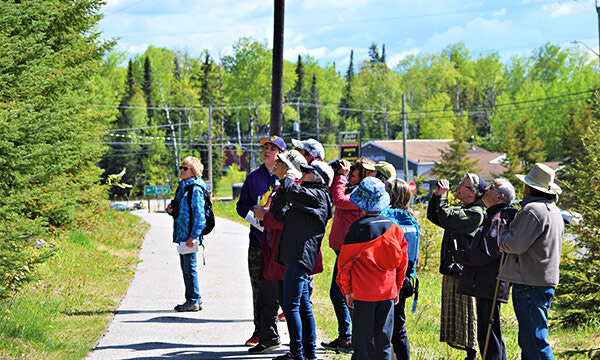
[(541, 177), (293, 159)]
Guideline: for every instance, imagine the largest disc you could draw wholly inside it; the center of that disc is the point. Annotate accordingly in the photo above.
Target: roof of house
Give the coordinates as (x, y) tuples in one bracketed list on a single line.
[(428, 151)]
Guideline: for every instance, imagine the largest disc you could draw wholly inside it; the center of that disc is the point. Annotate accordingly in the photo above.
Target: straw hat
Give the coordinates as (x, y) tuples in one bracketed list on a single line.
[(541, 177)]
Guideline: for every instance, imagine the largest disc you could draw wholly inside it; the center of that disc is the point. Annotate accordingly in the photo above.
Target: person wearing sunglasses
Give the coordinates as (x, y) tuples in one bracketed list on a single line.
[(458, 327), (189, 220)]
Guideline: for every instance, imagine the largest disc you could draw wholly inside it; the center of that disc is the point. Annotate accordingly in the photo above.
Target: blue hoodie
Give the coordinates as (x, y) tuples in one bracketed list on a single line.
[(181, 227), (412, 233)]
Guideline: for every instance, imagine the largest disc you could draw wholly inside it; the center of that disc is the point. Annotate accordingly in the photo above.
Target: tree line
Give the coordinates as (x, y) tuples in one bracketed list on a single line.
[(73, 112)]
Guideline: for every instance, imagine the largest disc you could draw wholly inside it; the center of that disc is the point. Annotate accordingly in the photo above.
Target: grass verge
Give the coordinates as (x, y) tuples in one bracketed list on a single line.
[(66, 311)]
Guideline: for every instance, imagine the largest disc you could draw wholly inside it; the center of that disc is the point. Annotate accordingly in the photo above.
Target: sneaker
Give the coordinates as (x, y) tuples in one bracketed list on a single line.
[(253, 341), (281, 317), (288, 356), (261, 348), (188, 306), (338, 345)]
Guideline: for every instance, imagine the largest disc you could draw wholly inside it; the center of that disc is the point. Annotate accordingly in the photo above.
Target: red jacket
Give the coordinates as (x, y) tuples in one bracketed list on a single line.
[(269, 268), (374, 270), (345, 212)]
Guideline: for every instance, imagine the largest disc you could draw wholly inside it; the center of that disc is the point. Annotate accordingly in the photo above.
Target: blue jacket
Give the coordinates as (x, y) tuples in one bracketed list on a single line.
[(257, 183), (195, 216), (412, 233)]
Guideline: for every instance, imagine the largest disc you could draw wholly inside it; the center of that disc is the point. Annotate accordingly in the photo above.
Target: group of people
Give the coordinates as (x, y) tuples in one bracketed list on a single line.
[(289, 200), (485, 252)]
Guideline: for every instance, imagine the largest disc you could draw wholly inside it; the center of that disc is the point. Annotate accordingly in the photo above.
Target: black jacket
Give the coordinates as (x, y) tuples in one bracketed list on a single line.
[(304, 211), (481, 260)]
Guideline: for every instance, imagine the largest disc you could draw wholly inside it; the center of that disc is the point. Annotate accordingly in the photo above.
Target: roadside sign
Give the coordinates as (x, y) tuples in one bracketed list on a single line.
[(350, 145), (157, 190), (412, 186)]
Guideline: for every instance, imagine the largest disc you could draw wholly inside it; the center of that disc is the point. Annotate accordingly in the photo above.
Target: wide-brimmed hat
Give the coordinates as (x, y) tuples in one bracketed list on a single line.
[(370, 195), (385, 168), (312, 146), (322, 169), (541, 177), (275, 140), (293, 160)]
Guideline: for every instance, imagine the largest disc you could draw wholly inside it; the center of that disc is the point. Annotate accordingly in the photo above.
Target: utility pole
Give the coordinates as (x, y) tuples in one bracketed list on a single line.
[(277, 74), (404, 129), (210, 159)]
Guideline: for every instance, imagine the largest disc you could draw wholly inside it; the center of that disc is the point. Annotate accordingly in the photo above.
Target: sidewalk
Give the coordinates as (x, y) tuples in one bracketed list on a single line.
[(146, 326)]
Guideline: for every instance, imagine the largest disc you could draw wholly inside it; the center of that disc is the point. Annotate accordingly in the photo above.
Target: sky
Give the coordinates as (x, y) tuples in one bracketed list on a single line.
[(328, 30)]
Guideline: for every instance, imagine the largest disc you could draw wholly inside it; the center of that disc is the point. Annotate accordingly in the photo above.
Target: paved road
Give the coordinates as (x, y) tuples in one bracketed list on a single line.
[(146, 326)]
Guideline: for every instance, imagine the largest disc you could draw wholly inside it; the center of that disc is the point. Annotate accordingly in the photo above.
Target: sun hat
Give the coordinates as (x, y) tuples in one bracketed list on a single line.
[(370, 195), (275, 140), (385, 168), (541, 177), (293, 159), (312, 146), (320, 168)]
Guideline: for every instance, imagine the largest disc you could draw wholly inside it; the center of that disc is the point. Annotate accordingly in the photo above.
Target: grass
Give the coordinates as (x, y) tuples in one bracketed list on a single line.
[(66, 311)]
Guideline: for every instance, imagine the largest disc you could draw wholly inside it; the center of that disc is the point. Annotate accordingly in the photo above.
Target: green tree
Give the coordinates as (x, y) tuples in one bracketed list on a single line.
[(578, 293), (347, 100), (455, 161), (51, 129)]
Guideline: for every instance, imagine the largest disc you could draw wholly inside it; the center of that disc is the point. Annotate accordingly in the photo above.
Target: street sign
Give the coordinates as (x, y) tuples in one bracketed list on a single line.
[(157, 190), (412, 186)]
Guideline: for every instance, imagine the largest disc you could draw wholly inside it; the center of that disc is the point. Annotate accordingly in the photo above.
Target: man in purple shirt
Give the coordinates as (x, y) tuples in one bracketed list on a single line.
[(258, 186)]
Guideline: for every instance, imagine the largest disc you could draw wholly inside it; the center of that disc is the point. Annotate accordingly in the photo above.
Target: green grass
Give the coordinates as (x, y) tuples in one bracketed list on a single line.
[(66, 311)]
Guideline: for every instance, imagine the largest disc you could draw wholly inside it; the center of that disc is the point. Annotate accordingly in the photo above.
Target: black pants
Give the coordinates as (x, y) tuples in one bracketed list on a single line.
[(372, 327), (400, 338), (496, 349), (270, 295), (253, 269)]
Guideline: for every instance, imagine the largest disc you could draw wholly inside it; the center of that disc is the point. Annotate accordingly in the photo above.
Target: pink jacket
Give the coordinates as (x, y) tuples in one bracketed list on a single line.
[(345, 212)]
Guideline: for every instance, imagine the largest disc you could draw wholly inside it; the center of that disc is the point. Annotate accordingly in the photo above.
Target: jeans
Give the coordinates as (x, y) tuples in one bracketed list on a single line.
[(342, 311), (190, 277), (531, 305), (373, 324), (298, 311)]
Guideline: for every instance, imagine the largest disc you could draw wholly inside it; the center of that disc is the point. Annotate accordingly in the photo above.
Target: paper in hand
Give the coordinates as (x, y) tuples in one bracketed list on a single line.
[(253, 221), (183, 249)]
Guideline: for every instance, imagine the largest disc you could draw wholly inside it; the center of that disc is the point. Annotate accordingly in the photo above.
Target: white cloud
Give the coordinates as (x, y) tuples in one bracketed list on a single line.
[(394, 59), (500, 12), (137, 49), (563, 9), (292, 53)]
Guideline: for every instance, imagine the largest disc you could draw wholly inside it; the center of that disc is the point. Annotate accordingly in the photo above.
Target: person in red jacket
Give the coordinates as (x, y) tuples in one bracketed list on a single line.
[(371, 269), (346, 178)]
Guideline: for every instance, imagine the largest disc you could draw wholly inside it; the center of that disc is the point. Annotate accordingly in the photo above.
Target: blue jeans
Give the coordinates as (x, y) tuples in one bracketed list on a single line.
[(373, 325), (342, 312), (531, 305), (298, 311), (190, 277)]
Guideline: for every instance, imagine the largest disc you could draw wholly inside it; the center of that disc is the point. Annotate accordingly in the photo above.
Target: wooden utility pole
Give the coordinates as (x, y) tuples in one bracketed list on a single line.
[(277, 80)]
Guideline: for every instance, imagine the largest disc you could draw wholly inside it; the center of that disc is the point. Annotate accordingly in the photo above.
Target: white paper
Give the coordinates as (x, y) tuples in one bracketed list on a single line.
[(253, 221), (183, 249)]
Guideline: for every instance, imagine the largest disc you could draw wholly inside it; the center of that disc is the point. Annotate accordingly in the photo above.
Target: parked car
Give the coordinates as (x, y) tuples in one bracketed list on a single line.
[(119, 207), (571, 217)]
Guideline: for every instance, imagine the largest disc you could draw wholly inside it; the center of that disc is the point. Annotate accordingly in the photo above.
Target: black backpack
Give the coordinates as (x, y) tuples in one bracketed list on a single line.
[(209, 214)]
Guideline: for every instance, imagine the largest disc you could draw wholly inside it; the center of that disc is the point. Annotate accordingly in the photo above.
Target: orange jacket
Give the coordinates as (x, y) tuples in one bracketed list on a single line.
[(374, 270)]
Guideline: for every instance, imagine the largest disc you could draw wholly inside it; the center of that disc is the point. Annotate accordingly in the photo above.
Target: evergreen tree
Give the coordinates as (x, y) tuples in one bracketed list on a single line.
[(347, 99), (313, 111), (51, 130), (578, 292), (148, 85), (455, 161)]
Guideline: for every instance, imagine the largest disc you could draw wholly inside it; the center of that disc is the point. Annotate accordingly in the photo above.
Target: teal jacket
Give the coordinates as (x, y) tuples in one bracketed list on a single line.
[(182, 229)]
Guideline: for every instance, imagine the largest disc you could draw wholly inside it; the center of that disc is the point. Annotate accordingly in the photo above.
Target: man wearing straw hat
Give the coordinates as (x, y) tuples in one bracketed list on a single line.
[(532, 244)]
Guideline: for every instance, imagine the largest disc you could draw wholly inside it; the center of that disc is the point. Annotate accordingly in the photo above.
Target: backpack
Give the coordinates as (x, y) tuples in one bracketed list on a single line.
[(209, 214)]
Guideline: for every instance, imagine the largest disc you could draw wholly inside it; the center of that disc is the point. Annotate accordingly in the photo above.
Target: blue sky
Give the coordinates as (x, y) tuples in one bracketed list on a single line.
[(328, 29)]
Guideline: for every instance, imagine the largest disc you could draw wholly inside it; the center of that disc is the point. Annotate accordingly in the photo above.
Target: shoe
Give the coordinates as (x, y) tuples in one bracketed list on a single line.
[(253, 341), (281, 317), (261, 348), (188, 306), (338, 345), (288, 356)]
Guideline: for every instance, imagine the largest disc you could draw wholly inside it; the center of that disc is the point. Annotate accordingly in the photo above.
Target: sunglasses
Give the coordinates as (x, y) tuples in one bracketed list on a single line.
[(184, 168)]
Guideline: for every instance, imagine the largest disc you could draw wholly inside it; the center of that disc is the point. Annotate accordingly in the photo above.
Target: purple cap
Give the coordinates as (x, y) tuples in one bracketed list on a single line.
[(275, 140)]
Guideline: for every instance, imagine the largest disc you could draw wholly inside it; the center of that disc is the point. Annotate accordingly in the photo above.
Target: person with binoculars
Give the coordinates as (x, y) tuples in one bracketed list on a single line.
[(460, 224)]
